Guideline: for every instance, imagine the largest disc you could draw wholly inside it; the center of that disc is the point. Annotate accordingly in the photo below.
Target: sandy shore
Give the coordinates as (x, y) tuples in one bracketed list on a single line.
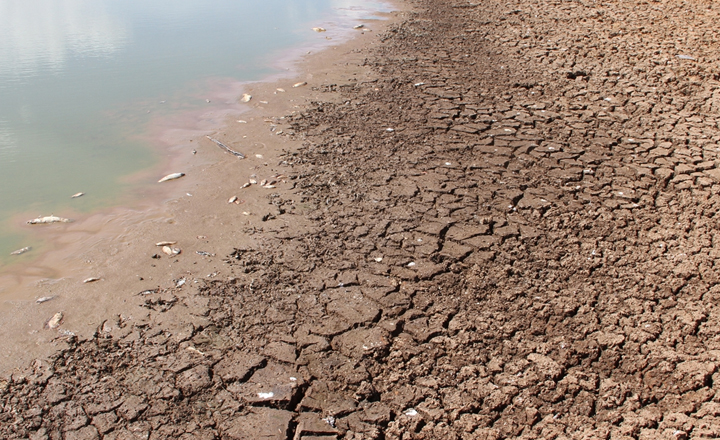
[(499, 221)]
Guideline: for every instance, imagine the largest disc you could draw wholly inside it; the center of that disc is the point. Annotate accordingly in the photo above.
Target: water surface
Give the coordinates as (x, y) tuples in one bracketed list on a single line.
[(81, 79)]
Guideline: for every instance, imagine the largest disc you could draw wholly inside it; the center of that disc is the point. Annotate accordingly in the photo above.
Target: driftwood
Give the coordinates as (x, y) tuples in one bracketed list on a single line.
[(226, 148)]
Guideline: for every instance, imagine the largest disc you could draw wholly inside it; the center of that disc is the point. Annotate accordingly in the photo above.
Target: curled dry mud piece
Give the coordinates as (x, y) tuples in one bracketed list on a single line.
[(557, 195)]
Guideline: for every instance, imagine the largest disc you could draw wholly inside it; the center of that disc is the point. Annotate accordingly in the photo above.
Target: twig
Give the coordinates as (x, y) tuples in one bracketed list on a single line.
[(226, 148)]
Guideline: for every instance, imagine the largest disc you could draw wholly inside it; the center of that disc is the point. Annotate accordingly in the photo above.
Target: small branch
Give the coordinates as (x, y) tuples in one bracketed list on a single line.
[(226, 148)]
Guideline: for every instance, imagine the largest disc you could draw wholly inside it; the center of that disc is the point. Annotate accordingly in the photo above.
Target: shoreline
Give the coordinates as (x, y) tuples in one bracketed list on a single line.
[(101, 245)]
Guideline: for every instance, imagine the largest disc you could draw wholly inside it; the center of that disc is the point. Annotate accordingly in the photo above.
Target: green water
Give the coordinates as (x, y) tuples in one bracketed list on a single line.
[(80, 81)]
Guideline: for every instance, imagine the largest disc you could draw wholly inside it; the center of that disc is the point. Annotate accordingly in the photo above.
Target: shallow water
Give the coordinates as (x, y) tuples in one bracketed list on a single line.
[(82, 80)]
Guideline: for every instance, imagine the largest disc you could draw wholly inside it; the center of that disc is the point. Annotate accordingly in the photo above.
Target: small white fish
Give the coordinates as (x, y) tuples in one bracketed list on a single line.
[(233, 199), (246, 97), (172, 176), (91, 280), (300, 84), (48, 219), (55, 321), (44, 299), (21, 251), (319, 29), (75, 196), (165, 243), (170, 251)]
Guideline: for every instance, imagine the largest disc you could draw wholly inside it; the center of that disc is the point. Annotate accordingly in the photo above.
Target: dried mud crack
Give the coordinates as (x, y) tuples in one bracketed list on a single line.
[(509, 233)]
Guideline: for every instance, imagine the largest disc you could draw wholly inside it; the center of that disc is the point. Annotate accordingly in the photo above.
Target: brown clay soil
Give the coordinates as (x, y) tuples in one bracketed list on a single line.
[(508, 231)]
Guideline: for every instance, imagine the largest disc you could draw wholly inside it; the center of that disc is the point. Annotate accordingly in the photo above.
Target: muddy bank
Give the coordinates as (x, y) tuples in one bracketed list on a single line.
[(506, 229)]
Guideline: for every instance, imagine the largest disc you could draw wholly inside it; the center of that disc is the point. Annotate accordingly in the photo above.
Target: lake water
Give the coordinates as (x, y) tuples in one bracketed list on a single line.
[(81, 81)]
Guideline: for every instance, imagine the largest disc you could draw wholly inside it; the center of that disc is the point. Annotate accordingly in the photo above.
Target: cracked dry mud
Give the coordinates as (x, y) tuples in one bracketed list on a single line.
[(528, 253)]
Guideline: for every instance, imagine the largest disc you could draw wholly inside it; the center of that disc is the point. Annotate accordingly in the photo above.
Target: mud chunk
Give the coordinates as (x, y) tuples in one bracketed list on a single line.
[(309, 424), (281, 351), (259, 423), (193, 380), (330, 326), (362, 342), (238, 366), (546, 366), (132, 407), (353, 306), (86, 433), (274, 383), (322, 398), (105, 422)]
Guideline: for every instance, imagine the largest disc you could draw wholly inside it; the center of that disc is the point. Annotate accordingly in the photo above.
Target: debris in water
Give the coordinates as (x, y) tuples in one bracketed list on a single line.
[(48, 219), (226, 148), (300, 84), (21, 251), (172, 176), (246, 97), (44, 299), (55, 321), (319, 29), (75, 196), (91, 280), (171, 251)]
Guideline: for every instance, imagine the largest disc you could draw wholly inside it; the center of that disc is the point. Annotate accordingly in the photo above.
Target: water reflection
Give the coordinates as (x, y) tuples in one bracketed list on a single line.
[(37, 35)]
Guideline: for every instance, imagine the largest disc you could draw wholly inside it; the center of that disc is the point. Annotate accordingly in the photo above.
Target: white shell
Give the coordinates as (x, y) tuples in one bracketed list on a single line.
[(246, 97), (170, 251), (233, 199), (55, 321), (172, 176)]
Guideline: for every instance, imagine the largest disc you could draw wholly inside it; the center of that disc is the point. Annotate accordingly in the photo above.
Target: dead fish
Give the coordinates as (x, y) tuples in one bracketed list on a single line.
[(246, 97), (21, 251), (319, 29), (233, 199), (165, 243), (300, 84), (91, 280), (44, 299), (360, 26), (170, 251), (75, 196), (48, 219), (172, 176), (55, 321)]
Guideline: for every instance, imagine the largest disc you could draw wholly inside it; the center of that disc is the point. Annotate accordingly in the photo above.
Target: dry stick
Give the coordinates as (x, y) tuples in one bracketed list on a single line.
[(226, 148)]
